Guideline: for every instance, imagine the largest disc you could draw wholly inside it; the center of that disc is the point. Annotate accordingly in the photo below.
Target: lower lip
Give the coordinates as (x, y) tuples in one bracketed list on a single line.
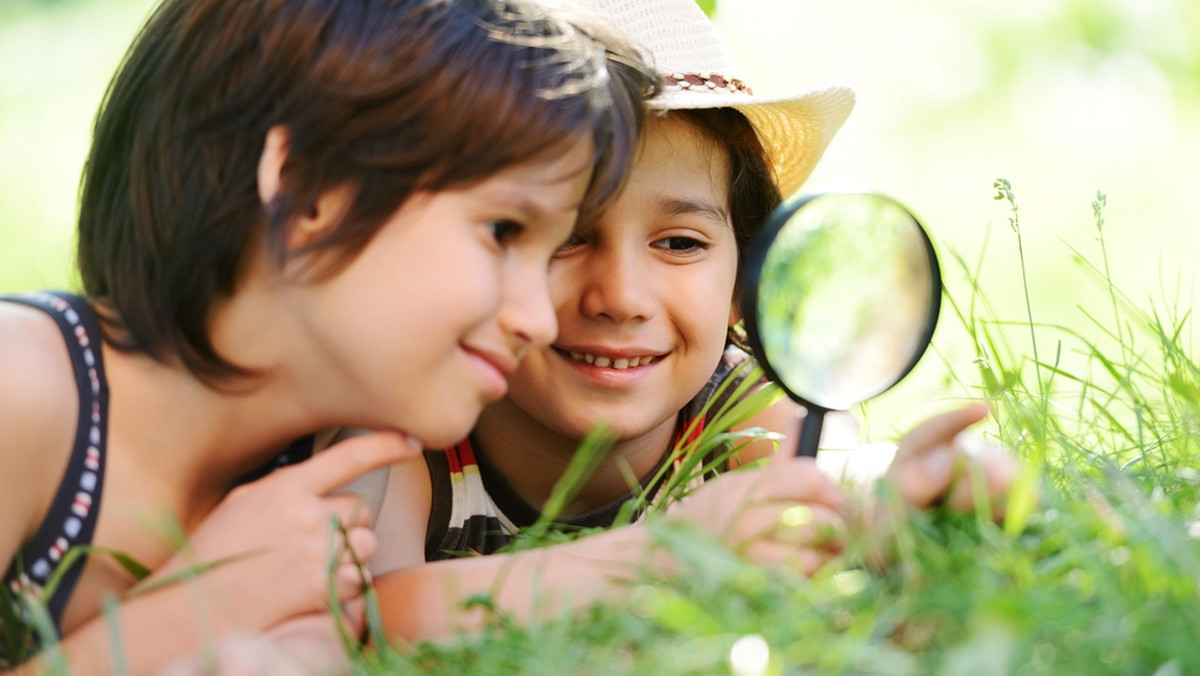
[(608, 377), (495, 382)]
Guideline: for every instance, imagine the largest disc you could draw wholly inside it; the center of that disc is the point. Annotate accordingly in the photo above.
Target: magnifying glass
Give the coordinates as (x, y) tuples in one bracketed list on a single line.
[(840, 293)]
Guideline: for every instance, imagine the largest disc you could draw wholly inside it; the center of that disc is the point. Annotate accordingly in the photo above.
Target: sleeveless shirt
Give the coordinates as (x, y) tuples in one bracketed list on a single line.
[(71, 519)]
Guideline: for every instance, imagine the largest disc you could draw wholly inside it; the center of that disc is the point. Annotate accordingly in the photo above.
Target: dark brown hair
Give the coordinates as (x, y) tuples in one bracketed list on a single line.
[(753, 194), (384, 96)]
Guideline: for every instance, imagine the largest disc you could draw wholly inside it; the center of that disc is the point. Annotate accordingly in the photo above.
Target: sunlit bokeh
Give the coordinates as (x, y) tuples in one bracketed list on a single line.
[(750, 656)]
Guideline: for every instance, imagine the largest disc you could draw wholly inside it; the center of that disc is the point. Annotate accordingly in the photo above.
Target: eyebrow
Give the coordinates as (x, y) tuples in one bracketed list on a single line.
[(517, 200), (526, 208), (678, 207)]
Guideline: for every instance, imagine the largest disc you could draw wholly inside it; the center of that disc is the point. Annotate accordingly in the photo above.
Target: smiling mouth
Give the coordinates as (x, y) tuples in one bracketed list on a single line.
[(620, 363)]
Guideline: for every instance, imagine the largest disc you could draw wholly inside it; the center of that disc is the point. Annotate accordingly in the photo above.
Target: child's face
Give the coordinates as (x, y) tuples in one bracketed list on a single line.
[(643, 296), (423, 327)]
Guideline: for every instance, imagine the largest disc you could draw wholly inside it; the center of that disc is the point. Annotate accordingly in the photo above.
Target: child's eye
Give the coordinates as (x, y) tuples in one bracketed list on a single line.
[(684, 244), (505, 232), (573, 241)]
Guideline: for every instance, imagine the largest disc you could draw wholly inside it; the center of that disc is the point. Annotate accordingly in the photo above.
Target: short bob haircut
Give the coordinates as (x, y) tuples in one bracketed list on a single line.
[(387, 97)]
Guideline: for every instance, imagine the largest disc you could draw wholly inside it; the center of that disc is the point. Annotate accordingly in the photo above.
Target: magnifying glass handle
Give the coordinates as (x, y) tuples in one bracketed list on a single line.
[(810, 432)]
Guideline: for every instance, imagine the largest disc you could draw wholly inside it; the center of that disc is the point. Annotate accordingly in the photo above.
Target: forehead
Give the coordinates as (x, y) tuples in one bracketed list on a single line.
[(568, 165), (545, 192), (676, 153)]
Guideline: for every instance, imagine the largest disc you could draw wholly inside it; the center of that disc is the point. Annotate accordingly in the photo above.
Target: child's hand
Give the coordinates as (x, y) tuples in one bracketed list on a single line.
[(302, 646), (278, 531), (783, 513), (938, 461)]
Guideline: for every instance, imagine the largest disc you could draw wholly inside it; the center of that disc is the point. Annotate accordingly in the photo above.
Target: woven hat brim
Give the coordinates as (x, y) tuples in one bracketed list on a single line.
[(794, 130)]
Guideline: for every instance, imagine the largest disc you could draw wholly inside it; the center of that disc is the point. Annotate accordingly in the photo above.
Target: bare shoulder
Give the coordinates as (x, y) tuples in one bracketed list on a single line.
[(403, 517), (39, 408), (400, 499)]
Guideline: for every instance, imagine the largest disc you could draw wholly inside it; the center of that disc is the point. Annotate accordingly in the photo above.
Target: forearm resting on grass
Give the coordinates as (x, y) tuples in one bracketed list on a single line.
[(747, 510), (141, 635)]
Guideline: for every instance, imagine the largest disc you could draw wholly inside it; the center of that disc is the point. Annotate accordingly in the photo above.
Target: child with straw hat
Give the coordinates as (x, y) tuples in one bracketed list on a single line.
[(644, 295)]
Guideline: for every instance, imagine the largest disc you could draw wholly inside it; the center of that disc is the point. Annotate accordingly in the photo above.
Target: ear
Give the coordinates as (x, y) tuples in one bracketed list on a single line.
[(311, 225), (270, 165)]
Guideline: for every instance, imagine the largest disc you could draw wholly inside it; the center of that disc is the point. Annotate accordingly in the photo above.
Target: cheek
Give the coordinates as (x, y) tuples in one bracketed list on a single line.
[(563, 281), (702, 315), (531, 385), (712, 298)]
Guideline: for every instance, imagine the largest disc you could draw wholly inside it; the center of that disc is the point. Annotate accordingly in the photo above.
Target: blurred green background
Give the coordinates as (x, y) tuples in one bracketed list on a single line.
[(1061, 97)]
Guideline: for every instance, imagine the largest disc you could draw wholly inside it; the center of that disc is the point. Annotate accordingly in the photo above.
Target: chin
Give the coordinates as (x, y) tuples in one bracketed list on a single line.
[(446, 433), (623, 431)]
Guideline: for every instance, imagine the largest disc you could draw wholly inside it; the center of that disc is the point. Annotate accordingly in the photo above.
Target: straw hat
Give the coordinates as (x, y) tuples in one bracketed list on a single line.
[(701, 72)]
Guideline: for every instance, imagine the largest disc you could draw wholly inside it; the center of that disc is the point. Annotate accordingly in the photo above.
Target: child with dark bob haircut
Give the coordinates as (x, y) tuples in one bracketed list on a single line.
[(296, 215)]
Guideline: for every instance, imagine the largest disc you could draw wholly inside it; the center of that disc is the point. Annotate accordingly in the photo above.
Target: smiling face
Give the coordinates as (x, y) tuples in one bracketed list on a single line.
[(423, 327), (643, 296)]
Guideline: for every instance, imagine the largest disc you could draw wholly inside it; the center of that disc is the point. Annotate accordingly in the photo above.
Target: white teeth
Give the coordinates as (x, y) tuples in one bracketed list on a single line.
[(604, 362)]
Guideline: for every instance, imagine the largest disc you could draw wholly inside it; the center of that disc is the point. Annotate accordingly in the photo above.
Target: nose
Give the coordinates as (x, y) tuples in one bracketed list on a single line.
[(528, 315), (614, 284)]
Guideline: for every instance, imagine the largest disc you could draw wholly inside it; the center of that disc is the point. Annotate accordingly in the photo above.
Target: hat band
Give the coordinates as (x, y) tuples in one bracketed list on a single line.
[(712, 82)]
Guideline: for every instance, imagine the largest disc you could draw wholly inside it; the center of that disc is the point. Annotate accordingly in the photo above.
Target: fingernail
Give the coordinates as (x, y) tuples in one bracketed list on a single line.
[(971, 444), (938, 463)]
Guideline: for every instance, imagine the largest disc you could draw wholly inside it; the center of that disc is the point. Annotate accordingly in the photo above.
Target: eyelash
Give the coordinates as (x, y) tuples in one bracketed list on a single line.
[(690, 244), (504, 232), (573, 241)]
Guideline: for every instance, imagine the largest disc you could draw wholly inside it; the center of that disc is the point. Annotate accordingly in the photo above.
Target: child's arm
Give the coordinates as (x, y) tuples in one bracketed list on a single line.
[(273, 538), (743, 508), (304, 646)]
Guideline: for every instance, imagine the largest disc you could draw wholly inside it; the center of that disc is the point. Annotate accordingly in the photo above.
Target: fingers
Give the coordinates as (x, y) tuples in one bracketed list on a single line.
[(354, 612), (801, 537), (797, 479), (941, 429), (351, 575), (362, 542), (942, 461), (806, 561), (925, 461), (348, 460), (350, 509), (349, 581), (988, 469), (785, 513)]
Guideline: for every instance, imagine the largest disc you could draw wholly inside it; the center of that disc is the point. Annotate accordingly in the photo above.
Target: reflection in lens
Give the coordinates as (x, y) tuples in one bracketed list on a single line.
[(846, 298)]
